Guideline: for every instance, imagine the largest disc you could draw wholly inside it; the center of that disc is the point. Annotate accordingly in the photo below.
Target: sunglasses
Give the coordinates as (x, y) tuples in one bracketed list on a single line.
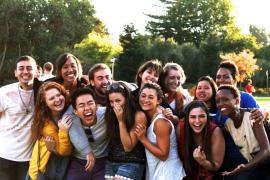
[(89, 134), (115, 86)]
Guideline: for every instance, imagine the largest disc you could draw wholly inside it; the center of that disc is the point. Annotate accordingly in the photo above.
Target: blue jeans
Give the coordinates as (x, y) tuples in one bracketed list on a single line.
[(132, 171)]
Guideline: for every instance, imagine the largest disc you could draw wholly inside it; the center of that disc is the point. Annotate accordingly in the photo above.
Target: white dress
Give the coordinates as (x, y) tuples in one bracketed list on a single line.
[(172, 168)]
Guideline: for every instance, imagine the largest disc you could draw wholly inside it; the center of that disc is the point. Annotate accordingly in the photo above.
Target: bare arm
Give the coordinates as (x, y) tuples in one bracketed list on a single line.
[(264, 152), (162, 129), (169, 115), (218, 150), (130, 139), (262, 139)]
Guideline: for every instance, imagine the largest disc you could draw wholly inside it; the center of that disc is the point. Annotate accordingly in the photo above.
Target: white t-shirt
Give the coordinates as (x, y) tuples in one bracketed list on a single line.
[(15, 122), (44, 77)]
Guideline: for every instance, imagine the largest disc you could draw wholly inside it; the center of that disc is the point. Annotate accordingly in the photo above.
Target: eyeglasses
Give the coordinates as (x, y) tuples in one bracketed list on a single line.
[(115, 86), (89, 134)]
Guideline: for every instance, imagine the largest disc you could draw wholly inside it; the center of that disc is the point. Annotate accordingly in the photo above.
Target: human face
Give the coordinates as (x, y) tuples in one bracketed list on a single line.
[(197, 119), (226, 102), (102, 79), (38, 73), (173, 80), (148, 99), (204, 92), (55, 101), (25, 72), (224, 76), (69, 71), (117, 99), (86, 109), (149, 75)]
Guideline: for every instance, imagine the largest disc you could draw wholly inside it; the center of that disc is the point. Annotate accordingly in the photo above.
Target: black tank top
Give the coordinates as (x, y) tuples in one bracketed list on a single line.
[(118, 154)]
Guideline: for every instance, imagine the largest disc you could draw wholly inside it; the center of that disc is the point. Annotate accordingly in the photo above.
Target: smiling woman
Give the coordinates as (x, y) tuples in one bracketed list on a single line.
[(201, 143), (50, 131), (126, 156), (250, 138)]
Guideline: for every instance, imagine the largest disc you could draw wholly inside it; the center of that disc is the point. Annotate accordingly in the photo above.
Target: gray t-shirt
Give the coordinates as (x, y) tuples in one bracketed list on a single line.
[(79, 139)]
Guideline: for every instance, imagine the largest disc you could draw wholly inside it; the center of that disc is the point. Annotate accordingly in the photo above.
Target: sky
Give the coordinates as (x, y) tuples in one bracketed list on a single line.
[(117, 13)]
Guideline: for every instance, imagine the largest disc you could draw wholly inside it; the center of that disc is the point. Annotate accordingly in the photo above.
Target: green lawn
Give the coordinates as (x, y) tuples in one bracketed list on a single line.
[(263, 102)]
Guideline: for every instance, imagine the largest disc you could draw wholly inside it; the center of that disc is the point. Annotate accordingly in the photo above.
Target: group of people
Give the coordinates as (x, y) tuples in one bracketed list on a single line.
[(73, 127)]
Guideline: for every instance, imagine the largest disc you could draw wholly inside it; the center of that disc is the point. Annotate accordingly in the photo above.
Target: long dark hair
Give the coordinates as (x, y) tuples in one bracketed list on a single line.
[(59, 63), (213, 104), (42, 111), (189, 138), (129, 108)]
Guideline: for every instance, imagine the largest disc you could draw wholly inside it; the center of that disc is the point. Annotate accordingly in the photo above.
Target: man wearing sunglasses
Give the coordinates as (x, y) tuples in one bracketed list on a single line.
[(88, 165)]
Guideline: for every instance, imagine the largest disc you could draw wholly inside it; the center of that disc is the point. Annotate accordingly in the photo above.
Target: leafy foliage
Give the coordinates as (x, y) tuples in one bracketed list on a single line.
[(245, 62), (260, 34), (190, 20), (97, 48), (41, 27), (135, 47)]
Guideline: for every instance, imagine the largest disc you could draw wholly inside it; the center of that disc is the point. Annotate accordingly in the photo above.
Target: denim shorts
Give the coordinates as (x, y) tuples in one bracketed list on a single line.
[(129, 171)]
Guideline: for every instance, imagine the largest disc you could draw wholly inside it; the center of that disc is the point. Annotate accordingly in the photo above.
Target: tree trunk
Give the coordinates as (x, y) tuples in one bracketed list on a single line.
[(3, 57), (19, 49), (5, 48)]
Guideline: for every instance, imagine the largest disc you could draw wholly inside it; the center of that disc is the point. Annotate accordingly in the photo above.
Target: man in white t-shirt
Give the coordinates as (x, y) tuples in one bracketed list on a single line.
[(16, 115), (47, 71)]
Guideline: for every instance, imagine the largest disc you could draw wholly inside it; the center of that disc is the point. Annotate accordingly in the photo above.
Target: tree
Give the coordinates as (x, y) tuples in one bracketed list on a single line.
[(191, 20), (134, 53), (245, 62), (165, 50), (97, 47), (260, 34), (42, 28), (263, 57), (234, 41)]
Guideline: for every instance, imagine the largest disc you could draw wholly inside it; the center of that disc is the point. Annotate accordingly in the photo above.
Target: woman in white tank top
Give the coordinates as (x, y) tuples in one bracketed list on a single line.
[(159, 139)]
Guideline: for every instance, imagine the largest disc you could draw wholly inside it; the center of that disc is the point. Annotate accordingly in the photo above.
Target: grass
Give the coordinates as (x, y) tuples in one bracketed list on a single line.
[(263, 102)]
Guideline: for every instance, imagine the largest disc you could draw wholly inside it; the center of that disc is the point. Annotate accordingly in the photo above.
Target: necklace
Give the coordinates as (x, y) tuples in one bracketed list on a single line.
[(26, 106)]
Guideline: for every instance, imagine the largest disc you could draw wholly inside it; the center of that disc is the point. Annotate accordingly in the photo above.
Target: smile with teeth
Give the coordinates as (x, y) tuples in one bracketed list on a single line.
[(145, 104), (197, 125), (25, 78), (223, 109), (71, 75), (150, 80), (59, 104), (88, 114), (202, 95)]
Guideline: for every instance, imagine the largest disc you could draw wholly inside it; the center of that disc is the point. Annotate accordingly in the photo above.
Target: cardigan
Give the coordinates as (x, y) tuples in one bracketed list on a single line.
[(62, 143)]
